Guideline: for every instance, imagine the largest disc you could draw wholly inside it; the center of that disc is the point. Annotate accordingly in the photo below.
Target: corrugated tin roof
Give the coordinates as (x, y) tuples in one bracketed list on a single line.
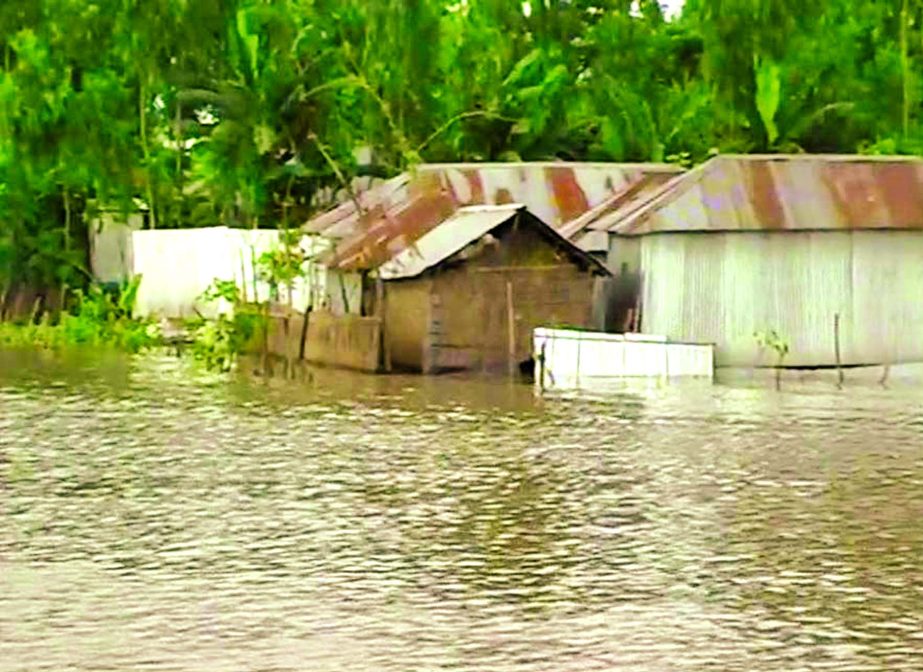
[(342, 220), (388, 229), (771, 193), (636, 192), (451, 236), (426, 232), (555, 192)]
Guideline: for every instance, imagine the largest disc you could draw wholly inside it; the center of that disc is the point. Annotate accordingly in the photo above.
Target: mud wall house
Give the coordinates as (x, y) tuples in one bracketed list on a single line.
[(746, 244), (465, 291)]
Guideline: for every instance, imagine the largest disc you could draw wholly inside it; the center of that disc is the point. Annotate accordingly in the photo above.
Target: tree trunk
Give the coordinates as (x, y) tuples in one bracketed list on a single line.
[(146, 151)]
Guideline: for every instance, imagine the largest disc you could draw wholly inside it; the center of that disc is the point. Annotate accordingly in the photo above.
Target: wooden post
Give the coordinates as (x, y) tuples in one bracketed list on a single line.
[(380, 312), (289, 359), (836, 345), (304, 331), (511, 322), (265, 354)]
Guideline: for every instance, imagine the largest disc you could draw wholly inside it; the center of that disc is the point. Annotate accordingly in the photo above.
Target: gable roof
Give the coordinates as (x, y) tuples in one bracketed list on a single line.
[(780, 192), (583, 231), (461, 229), (453, 234), (555, 192)]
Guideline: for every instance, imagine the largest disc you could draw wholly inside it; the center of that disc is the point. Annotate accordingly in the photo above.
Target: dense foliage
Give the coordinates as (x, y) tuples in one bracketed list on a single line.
[(98, 319), (247, 112)]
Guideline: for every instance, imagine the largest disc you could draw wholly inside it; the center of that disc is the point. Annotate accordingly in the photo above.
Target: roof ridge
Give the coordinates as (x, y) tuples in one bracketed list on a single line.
[(664, 195)]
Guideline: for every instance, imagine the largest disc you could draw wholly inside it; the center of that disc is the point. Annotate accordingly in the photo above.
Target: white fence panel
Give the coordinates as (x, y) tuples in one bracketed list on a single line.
[(577, 359)]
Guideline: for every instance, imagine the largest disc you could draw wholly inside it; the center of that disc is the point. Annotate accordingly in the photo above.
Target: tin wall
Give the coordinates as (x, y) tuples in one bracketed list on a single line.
[(724, 287)]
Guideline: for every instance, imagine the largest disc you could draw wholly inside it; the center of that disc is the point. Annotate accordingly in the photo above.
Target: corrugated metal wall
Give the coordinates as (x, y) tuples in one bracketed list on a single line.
[(723, 287)]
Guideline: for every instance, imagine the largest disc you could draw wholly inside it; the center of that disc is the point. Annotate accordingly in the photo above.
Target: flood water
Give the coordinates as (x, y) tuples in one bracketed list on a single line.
[(155, 518)]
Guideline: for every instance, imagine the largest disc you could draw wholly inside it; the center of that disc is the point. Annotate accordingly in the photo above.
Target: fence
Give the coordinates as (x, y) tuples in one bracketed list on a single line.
[(576, 359)]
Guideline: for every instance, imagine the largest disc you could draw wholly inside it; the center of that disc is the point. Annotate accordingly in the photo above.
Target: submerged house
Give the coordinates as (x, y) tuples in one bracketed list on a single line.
[(554, 192), (463, 287), (823, 250)]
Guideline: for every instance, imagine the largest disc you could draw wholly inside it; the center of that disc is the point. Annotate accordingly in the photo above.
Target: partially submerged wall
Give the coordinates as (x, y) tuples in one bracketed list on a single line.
[(476, 305), (724, 287), (347, 341), (407, 310)]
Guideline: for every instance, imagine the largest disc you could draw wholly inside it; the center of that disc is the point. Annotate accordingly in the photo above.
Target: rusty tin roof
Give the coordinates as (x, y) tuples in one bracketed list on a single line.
[(555, 192), (583, 230), (464, 227), (780, 192), (397, 213), (420, 248)]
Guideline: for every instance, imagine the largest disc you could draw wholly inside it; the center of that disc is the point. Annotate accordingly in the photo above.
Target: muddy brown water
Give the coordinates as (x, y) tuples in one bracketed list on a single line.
[(156, 518)]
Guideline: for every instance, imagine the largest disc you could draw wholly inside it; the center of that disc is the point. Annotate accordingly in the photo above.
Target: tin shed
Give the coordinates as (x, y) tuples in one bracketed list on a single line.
[(467, 292), (792, 244)]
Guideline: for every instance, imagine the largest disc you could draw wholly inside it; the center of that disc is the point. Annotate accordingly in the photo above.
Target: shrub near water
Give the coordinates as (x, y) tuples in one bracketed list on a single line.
[(97, 318), (218, 343)]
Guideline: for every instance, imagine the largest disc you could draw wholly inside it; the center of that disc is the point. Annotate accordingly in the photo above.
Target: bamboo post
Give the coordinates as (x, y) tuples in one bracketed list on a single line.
[(288, 287), (304, 331), (344, 295), (382, 325), (836, 345), (267, 318), (511, 322), (287, 334)]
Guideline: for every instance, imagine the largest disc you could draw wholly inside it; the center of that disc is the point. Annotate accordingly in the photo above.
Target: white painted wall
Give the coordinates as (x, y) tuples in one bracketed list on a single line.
[(177, 266)]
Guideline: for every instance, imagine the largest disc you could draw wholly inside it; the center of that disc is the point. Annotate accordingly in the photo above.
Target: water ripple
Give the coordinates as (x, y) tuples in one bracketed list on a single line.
[(159, 519)]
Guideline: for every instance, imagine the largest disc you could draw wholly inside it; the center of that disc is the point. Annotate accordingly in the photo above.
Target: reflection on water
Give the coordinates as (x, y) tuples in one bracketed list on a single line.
[(156, 518)]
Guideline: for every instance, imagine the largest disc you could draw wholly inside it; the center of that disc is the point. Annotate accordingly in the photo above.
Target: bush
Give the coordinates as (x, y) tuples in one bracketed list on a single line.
[(96, 318)]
